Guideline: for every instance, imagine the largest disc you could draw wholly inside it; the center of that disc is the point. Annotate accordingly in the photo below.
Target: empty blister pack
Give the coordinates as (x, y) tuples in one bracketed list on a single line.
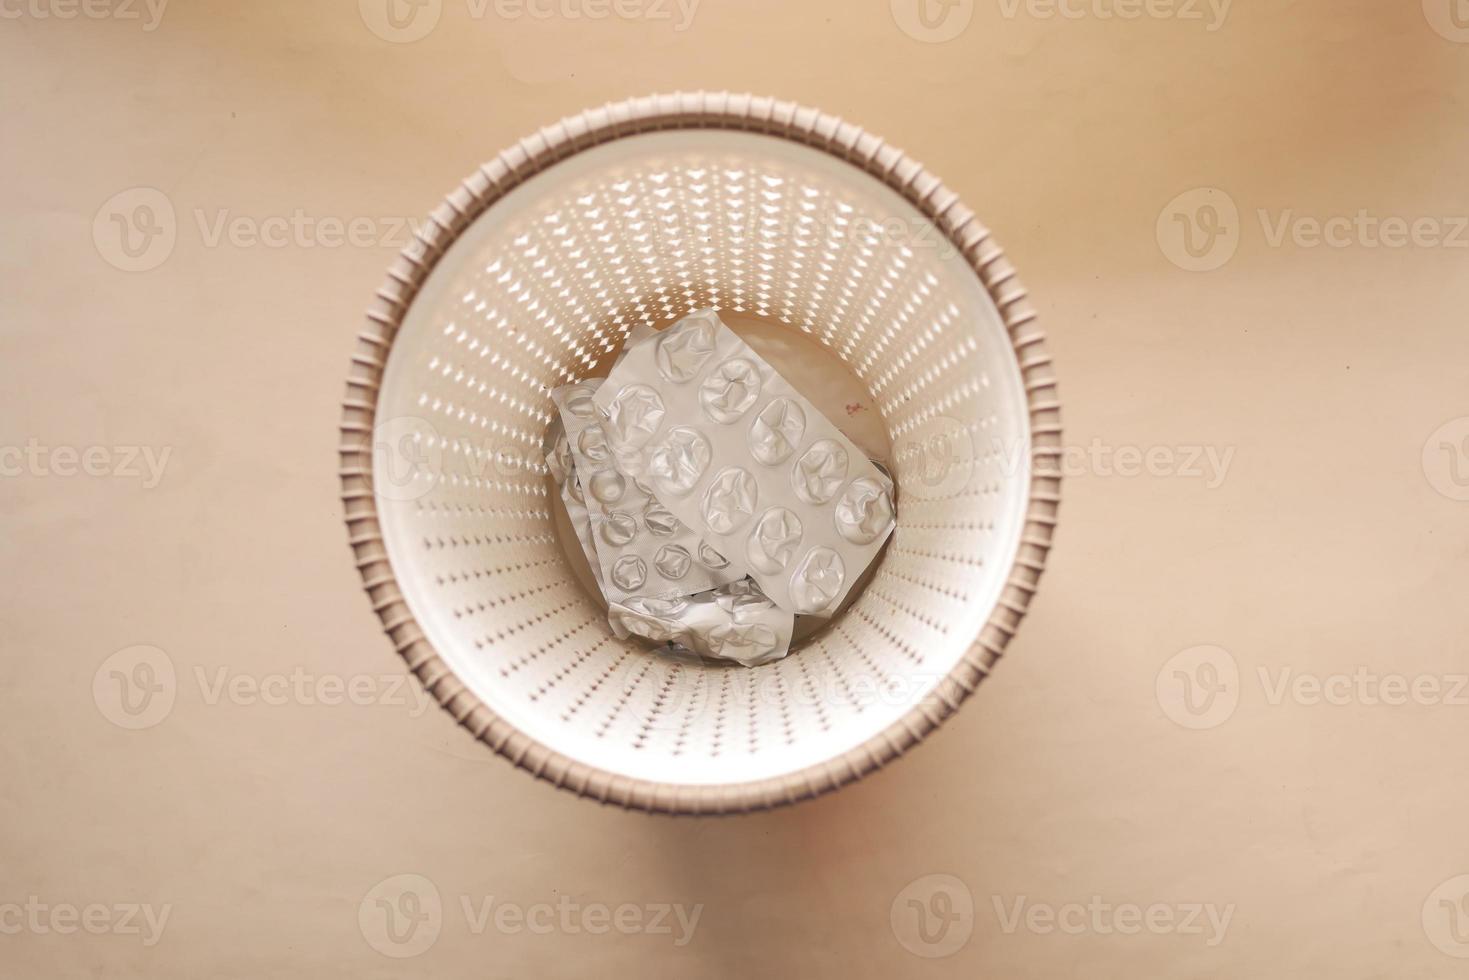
[(733, 622), (642, 548), (573, 496), (727, 445)]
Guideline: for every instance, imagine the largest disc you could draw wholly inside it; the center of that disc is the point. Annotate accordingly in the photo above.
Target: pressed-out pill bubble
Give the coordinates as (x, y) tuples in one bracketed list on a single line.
[(651, 627), (773, 542), (744, 643), (619, 528), (629, 572), (777, 431), (633, 417), (593, 444), (558, 460), (817, 581), (579, 402), (655, 606), (659, 520), (681, 352), (820, 471), (673, 561), (738, 590), (710, 558), (679, 460), (730, 390), (647, 490), (864, 511), (730, 500), (653, 619), (608, 486), (573, 486)]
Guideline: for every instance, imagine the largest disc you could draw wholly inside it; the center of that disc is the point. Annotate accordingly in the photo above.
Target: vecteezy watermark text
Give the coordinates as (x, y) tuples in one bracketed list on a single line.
[(37, 459), (404, 915), (136, 230), (148, 12), (406, 21), (95, 918), (1099, 917), (1190, 462), (933, 916), (1211, 13), (937, 21), (1202, 686), (1200, 229), (137, 688)]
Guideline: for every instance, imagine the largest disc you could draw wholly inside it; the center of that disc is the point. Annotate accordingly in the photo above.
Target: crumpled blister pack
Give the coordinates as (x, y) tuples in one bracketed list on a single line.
[(725, 443), (573, 496), (712, 501), (641, 548), (733, 622)]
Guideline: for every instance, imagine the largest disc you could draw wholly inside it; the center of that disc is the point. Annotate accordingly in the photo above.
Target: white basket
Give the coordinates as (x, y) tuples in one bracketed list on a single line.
[(529, 276)]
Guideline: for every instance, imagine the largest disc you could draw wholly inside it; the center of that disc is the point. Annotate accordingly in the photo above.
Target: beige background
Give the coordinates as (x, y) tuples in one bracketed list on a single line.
[(1332, 542)]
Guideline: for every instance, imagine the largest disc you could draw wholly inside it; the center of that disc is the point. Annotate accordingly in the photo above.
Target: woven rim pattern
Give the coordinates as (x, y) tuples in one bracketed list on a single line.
[(697, 110)]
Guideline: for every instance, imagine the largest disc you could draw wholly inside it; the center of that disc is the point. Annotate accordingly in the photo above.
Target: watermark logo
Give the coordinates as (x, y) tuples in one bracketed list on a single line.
[(406, 21), (941, 458), (1199, 688), (1199, 229), (1446, 459), (135, 230), (933, 916), (1450, 18), (401, 21), (407, 458), (135, 687), (1202, 686), (410, 457), (1446, 917), (932, 21), (401, 916)]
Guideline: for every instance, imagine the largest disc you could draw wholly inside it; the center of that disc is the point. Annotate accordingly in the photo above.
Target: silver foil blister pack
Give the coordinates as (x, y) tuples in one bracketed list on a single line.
[(733, 622), (573, 497), (725, 443), (642, 549)]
